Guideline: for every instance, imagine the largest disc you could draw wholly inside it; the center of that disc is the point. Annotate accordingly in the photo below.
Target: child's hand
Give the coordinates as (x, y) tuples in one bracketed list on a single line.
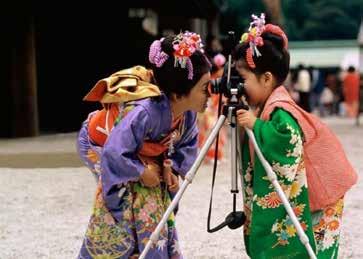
[(151, 175), (246, 118), (257, 111)]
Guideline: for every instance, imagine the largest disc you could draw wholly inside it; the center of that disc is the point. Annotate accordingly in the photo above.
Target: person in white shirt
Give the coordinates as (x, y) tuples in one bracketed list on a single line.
[(303, 86)]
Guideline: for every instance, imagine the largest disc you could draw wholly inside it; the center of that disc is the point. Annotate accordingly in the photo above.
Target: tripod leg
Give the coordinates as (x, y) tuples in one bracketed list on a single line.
[(188, 180), (234, 175), (240, 159)]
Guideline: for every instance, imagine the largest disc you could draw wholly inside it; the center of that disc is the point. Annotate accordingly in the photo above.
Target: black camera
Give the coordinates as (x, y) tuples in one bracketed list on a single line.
[(224, 86), (230, 79)]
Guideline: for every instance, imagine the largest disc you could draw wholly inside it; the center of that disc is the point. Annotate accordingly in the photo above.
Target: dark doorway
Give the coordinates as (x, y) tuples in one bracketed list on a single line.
[(73, 53)]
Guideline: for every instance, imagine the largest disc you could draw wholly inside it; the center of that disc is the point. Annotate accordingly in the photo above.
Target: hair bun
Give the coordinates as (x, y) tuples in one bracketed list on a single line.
[(275, 40), (167, 45), (276, 35)]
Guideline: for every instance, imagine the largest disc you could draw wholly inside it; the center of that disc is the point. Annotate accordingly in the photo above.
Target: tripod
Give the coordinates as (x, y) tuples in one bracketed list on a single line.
[(236, 218)]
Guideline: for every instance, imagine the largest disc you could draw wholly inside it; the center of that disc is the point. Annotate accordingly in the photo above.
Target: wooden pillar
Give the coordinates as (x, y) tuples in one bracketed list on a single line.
[(23, 82)]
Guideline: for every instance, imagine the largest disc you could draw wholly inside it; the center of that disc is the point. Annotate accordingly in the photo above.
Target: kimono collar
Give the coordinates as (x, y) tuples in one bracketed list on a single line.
[(167, 108)]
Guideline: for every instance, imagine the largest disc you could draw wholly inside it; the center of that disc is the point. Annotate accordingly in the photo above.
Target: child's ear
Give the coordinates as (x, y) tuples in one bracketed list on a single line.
[(268, 79)]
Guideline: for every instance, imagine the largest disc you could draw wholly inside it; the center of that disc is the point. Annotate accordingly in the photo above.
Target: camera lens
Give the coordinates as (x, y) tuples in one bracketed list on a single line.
[(215, 85)]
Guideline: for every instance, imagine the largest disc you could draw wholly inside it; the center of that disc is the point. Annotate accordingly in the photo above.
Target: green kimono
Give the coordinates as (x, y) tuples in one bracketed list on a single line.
[(268, 231)]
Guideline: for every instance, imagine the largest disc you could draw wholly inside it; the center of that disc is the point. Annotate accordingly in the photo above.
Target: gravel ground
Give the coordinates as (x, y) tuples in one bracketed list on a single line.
[(44, 211)]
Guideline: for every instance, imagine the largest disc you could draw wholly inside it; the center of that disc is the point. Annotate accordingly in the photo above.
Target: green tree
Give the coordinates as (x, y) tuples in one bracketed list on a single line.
[(302, 19), (236, 15)]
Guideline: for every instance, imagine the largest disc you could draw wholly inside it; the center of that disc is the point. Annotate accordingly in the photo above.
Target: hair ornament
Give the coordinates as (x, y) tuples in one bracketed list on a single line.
[(156, 55), (185, 44), (274, 29), (249, 58), (253, 36)]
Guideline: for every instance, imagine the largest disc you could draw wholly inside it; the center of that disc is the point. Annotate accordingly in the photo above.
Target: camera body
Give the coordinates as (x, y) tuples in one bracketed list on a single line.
[(224, 86), (231, 83)]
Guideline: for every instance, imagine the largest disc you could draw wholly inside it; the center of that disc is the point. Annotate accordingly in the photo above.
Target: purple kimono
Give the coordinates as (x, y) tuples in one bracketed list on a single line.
[(88, 151), (125, 212)]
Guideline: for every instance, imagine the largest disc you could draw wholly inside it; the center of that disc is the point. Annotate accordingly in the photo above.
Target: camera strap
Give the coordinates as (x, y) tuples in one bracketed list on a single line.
[(214, 173)]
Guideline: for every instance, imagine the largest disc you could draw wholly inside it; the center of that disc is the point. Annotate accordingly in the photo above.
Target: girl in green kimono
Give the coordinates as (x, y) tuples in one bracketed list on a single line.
[(262, 60)]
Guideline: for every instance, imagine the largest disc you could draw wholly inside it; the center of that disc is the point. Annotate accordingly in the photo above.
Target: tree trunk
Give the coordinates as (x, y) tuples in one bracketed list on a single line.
[(274, 14)]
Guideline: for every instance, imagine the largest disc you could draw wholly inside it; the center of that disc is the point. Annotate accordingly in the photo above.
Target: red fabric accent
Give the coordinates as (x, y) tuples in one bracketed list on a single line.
[(150, 149), (99, 120), (329, 173), (274, 29), (156, 149), (249, 58)]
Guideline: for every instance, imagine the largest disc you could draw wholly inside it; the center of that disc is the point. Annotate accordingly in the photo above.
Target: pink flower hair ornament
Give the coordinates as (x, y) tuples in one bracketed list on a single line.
[(185, 44), (156, 55), (253, 37)]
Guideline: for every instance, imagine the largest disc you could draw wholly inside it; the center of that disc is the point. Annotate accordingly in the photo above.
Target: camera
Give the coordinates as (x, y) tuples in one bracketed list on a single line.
[(224, 86), (231, 83)]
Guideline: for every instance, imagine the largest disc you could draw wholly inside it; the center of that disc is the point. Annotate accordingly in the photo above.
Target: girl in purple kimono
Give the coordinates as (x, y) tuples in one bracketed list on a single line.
[(151, 144)]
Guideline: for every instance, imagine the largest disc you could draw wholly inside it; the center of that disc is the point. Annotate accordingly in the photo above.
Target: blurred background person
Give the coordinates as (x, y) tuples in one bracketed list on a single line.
[(351, 92), (303, 86), (213, 46), (333, 82), (317, 87), (207, 119), (327, 102), (290, 84)]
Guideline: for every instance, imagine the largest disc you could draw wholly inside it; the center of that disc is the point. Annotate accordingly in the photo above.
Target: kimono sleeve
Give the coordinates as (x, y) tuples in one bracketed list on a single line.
[(280, 139), (187, 149), (119, 160)]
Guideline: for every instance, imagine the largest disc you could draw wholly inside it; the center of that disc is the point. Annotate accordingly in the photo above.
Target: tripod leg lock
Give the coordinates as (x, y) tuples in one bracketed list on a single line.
[(188, 178)]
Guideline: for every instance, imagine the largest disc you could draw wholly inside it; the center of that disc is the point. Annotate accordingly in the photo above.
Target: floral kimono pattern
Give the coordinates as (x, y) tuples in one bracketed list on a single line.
[(109, 238), (125, 212), (269, 231)]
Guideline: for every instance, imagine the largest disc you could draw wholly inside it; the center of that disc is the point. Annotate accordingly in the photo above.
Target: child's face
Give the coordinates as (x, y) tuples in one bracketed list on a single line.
[(198, 96), (257, 88)]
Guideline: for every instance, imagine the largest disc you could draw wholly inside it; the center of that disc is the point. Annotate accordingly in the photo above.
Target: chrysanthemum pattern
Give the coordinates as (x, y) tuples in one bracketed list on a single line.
[(327, 225), (292, 178)]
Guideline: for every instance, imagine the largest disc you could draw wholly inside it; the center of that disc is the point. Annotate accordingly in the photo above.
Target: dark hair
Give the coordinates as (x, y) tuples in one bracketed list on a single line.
[(274, 57), (171, 79), (301, 66), (351, 69)]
